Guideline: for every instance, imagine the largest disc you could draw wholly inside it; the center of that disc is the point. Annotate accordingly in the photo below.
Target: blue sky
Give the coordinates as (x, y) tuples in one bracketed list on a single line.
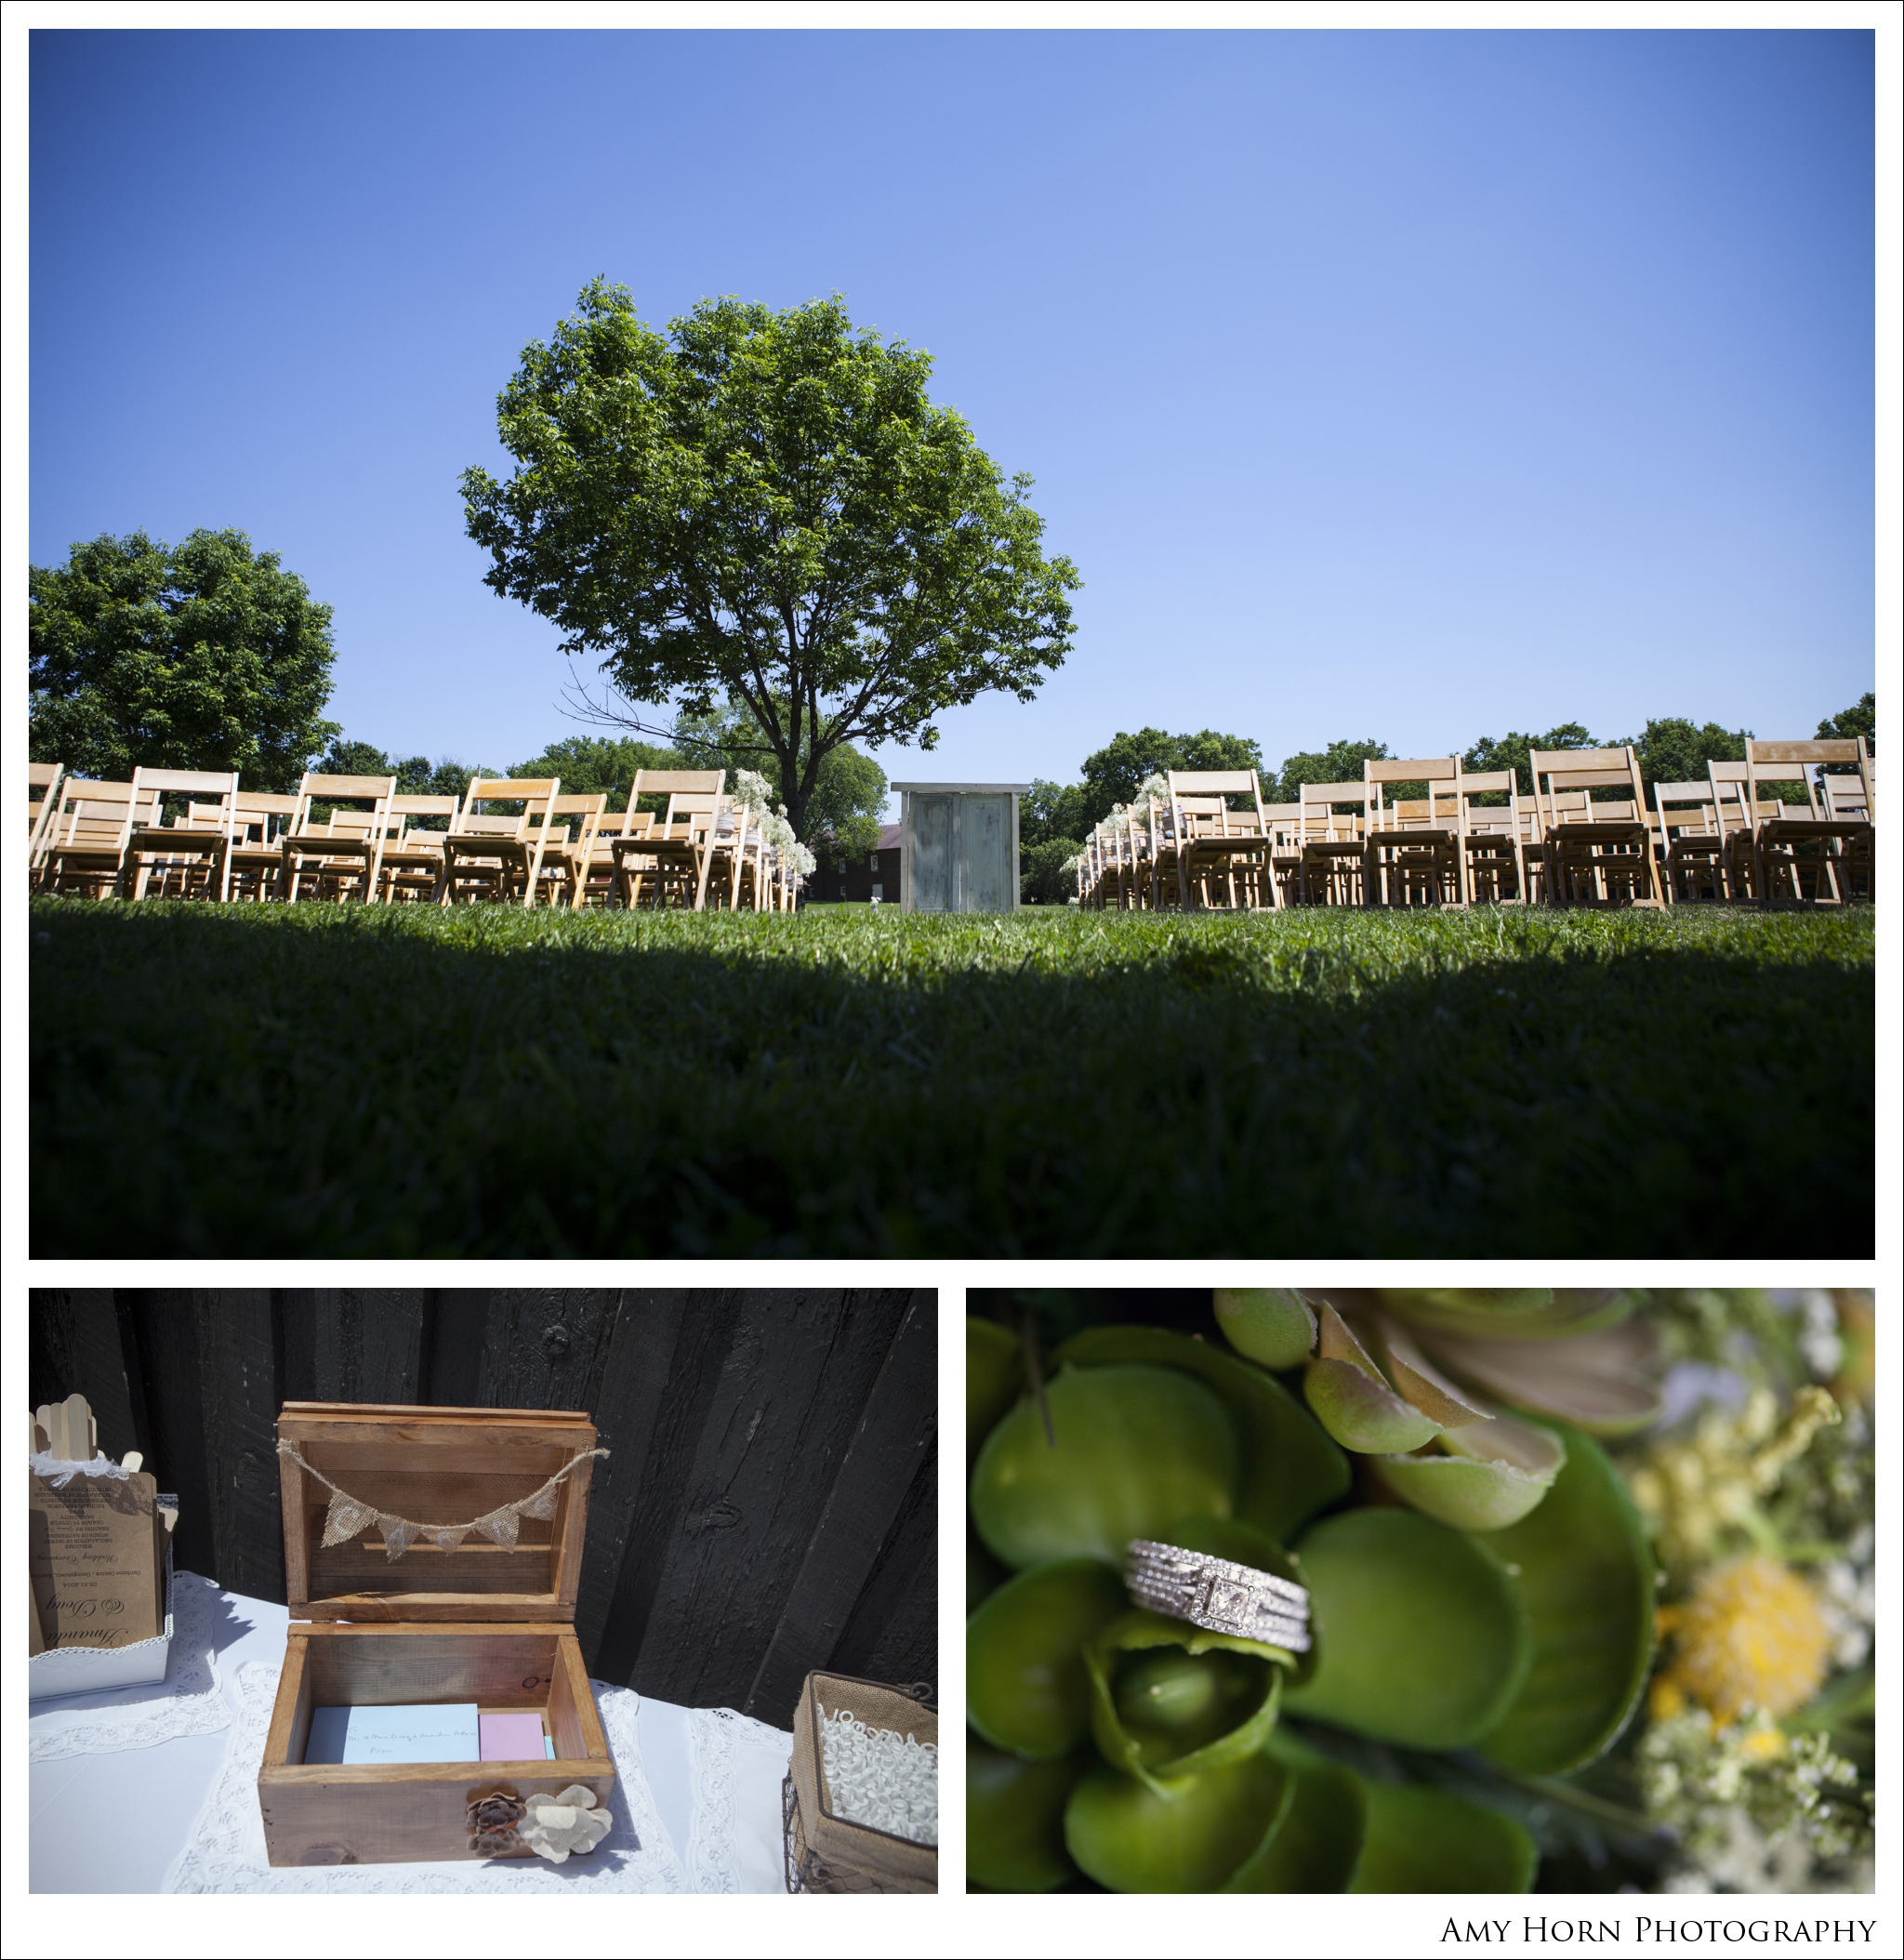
[(1407, 385)]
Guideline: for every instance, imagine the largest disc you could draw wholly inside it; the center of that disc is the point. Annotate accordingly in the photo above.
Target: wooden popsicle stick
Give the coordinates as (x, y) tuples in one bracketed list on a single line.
[(92, 1432), (132, 1460), (54, 1416), (79, 1421)]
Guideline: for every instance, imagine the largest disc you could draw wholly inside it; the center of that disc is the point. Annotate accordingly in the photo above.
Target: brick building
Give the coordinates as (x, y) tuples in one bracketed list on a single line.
[(875, 875)]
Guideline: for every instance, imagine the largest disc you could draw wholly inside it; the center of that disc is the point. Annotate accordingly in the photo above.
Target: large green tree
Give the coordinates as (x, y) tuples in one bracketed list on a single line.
[(766, 505), (1859, 719), (1340, 762), (206, 655), (1113, 773), (1672, 750)]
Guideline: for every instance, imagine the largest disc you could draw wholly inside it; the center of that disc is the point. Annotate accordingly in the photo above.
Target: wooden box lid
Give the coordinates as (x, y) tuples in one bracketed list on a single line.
[(435, 1466)]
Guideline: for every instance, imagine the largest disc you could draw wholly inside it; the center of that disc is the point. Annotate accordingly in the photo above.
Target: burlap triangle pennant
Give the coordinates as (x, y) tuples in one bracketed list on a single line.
[(345, 1519), (446, 1538), (499, 1526), (397, 1534), (541, 1505)]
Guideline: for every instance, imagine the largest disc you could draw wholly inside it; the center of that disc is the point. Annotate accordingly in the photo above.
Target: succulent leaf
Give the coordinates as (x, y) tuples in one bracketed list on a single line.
[(1136, 1447), (1015, 1820), (1361, 1411), (1420, 1637), (1290, 1470), (1318, 1840), (1273, 1326), (1130, 1839), (1599, 1382), (994, 1374), (1585, 1570), (1027, 1688), (1424, 1840), (1237, 1712)]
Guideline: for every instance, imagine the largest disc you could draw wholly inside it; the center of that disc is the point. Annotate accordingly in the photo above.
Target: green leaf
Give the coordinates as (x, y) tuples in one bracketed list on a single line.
[(1207, 1713), (1420, 1637), (1136, 1447), (1495, 1473), (1421, 1840), (1582, 1564), (1272, 1325), (1362, 1413), (1290, 1469), (1014, 1821), (1025, 1685), (1130, 1839), (994, 1374), (1315, 1846)]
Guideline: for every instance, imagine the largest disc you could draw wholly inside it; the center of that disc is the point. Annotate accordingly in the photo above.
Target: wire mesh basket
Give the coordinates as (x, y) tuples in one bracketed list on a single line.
[(826, 1852)]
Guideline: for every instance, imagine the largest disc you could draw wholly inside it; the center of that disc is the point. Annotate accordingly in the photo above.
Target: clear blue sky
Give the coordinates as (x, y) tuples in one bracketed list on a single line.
[(1413, 386)]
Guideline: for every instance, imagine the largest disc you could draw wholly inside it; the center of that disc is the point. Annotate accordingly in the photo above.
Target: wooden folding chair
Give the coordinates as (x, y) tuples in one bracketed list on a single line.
[(1217, 846), (1602, 856), (497, 855), (343, 854), (569, 857), (413, 859), (1412, 853), (1691, 840), (189, 847), (86, 843), (672, 848), (1492, 837), (1808, 843), (253, 862), (42, 781), (1333, 842)]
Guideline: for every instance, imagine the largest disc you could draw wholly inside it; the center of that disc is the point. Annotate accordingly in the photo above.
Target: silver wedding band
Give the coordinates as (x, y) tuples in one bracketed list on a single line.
[(1218, 1594)]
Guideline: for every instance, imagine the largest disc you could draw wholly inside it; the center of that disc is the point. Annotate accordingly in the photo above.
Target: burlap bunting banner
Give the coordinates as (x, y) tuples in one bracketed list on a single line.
[(348, 1516)]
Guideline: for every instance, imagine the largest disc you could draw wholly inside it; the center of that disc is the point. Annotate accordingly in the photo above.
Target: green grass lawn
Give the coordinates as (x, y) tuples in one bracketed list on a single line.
[(328, 1080)]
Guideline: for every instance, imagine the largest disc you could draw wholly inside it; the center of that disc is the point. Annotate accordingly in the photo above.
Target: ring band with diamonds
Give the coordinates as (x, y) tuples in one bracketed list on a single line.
[(1218, 1594)]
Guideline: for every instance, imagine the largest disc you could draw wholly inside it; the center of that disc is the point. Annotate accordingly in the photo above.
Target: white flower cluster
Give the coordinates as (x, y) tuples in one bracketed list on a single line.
[(1153, 789), (880, 1779), (752, 790)]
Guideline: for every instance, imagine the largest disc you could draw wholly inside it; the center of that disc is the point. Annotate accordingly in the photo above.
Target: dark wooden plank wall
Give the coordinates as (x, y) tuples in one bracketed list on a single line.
[(770, 1505)]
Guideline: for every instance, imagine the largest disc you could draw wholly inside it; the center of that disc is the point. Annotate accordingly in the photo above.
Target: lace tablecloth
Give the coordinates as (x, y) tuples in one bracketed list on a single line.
[(735, 1843), (188, 1702)]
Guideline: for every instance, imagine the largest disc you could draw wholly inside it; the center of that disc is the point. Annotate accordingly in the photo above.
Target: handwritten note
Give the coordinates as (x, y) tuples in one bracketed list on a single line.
[(436, 1732)]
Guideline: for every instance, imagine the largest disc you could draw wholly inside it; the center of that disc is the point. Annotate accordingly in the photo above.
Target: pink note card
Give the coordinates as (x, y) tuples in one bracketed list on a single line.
[(510, 1737)]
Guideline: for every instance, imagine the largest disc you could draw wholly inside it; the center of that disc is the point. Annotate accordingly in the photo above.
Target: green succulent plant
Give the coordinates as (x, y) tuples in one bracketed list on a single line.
[(1450, 1612)]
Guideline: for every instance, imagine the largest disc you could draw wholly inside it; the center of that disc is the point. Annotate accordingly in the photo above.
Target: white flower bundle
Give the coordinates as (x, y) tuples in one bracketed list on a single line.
[(882, 1779)]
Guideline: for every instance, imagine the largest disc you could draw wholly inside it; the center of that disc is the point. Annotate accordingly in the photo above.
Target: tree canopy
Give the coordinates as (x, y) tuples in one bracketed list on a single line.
[(1113, 773), (766, 506), (206, 655)]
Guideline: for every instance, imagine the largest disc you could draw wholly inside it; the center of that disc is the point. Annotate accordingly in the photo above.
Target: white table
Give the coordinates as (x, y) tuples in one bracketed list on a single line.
[(157, 1792)]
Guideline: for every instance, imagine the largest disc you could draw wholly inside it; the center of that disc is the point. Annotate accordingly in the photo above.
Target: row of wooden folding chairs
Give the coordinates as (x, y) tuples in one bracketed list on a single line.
[(1586, 836), (507, 839)]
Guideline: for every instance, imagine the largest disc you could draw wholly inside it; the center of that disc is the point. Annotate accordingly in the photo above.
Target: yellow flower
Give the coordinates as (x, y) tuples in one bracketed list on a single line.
[(1751, 1636)]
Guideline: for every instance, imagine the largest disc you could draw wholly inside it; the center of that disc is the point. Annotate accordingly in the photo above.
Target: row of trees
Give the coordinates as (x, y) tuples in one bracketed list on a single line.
[(1056, 817)]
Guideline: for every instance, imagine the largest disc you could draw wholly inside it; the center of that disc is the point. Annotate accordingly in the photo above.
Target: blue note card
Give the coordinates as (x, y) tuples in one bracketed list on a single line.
[(437, 1732)]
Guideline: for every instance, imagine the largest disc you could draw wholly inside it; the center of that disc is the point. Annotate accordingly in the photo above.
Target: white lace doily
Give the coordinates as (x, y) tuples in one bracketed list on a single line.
[(734, 1845), (226, 1850), (188, 1702)]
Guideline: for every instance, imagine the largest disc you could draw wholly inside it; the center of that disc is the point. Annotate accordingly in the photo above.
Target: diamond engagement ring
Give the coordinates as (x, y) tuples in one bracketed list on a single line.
[(1218, 1594)]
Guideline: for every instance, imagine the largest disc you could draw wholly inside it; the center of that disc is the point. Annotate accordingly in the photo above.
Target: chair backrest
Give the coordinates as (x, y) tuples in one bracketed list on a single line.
[(1440, 774), (266, 812), (220, 783), (589, 809), (535, 794), (411, 807), (1322, 821), (1556, 771), (1704, 814), (1844, 797), (41, 780), (1798, 761), (1222, 783), (690, 814), (376, 790), (672, 783), (1485, 819), (93, 814)]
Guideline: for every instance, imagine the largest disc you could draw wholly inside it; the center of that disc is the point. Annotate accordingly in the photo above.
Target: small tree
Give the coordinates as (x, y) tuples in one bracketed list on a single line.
[(203, 655), (589, 765), (1113, 775), (765, 507), (1042, 878), (1861, 718)]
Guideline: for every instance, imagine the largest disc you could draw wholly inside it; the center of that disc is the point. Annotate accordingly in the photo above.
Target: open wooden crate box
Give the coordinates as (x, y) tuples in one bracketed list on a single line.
[(483, 1623)]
